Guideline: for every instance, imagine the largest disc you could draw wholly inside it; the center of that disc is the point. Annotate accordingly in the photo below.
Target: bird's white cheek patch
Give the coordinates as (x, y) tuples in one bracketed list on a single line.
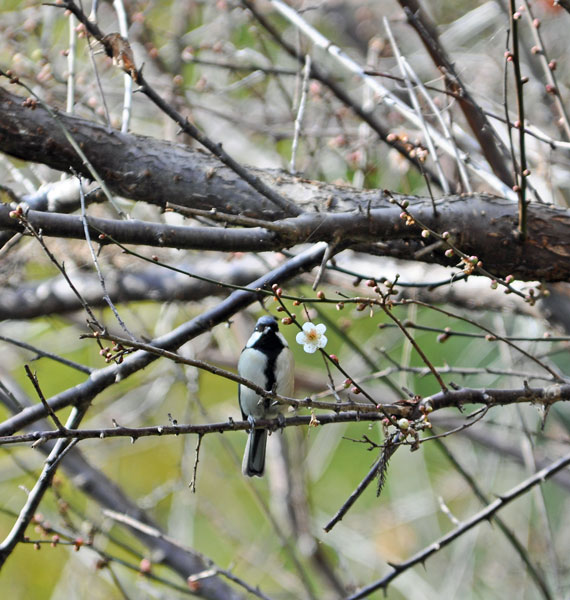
[(253, 339), (252, 366)]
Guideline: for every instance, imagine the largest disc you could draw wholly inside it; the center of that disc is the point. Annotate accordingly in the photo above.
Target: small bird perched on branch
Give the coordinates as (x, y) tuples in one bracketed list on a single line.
[(266, 361)]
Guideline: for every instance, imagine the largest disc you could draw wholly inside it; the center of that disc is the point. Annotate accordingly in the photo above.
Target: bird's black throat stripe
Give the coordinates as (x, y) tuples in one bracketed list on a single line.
[(270, 344)]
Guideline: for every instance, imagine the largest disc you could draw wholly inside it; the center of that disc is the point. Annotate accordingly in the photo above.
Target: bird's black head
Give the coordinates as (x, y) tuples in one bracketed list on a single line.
[(267, 340), (266, 322)]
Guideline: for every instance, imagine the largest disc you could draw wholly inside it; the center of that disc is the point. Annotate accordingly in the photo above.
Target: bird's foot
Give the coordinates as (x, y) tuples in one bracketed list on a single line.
[(251, 422)]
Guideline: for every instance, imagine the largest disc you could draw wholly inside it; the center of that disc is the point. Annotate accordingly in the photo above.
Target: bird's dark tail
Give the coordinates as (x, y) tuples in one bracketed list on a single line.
[(254, 456)]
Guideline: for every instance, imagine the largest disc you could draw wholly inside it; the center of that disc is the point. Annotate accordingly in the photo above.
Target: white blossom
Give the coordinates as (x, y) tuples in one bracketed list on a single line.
[(312, 337)]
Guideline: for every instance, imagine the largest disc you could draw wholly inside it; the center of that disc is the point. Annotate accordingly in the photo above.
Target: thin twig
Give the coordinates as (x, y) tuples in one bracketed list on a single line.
[(329, 358), (329, 252), (416, 106), (527, 449), (446, 132), (70, 102), (416, 346), (447, 332), (548, 68), (358, 349), (106, 296), (368, 479), (33, 378), (44, 354), (216, 215), (119, 7), (472, 264), (555, 375), (61, 267), (520, 178), (107, 557), (192, 484), (300, 113)]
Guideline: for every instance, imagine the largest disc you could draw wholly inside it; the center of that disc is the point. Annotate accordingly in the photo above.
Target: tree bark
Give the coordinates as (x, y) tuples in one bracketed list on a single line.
[(155, 171)]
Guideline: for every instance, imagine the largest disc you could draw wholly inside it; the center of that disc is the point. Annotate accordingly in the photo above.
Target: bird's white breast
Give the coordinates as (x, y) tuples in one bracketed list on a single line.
[(252, 365)]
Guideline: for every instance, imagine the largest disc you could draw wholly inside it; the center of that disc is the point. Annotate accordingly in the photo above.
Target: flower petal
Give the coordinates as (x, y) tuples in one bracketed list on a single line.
[(311, 337)]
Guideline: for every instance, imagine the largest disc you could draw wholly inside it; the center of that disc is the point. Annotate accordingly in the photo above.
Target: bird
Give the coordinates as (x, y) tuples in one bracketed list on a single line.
[(268, 362)]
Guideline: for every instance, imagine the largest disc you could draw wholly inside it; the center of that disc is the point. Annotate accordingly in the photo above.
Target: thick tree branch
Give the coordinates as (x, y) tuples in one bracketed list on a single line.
[(157, 172), (484, 226), (136, 167), (545, 396)]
